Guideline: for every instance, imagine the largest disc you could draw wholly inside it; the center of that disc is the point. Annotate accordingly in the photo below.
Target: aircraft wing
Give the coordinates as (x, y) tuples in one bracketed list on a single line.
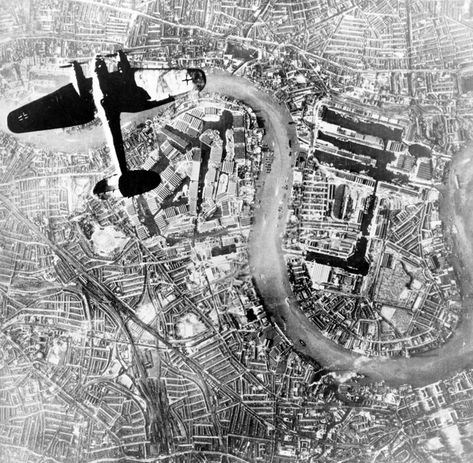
[(61, 108)]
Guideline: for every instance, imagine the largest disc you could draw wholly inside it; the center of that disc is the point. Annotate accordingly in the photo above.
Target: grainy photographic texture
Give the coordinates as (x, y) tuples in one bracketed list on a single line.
[(236, 231)]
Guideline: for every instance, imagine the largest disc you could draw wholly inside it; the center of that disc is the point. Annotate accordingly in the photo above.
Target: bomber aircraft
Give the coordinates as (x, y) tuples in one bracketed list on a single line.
[(106, 95)]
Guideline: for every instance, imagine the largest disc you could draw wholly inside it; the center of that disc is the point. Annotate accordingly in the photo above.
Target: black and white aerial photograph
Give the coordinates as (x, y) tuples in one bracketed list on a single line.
[(236, 231)]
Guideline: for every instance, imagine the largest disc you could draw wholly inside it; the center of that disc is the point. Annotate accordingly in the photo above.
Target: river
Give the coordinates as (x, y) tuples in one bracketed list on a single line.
[(266, 259), (269, 271)]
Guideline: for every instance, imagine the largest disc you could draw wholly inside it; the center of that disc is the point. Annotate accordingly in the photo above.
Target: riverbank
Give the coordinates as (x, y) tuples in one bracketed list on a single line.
[(266, 259), (270, 275)]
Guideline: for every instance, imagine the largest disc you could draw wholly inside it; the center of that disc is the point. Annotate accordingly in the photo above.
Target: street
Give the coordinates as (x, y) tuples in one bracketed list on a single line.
[(266, 259), (271, 278)]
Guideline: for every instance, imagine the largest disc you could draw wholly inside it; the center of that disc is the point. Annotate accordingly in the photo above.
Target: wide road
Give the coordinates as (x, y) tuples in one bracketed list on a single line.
[(266, 260)]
